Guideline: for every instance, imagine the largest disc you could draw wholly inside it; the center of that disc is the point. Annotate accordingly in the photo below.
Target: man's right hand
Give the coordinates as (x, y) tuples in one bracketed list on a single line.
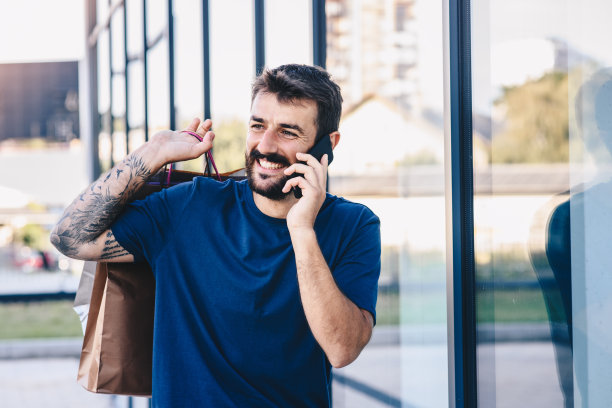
[(83, 231), (168, 146)]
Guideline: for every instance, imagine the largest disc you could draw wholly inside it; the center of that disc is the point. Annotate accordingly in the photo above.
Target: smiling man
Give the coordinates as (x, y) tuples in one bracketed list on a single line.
[(258, 293)]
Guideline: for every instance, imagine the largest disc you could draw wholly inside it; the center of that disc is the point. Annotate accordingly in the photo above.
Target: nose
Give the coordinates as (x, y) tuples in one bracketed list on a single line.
[(268, 143)]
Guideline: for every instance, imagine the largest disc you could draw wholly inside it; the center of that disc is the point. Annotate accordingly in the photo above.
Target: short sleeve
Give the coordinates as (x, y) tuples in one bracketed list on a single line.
[(357, 271), (147, 225)]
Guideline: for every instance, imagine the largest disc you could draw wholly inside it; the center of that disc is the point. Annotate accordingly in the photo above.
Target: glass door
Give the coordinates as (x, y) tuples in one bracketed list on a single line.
[(542, 133)]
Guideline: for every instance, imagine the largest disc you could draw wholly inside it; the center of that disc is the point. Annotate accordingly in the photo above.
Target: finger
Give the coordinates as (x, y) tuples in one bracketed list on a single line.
[(309, 159), (294, 182), (193, 125), (204, 127), (320, 170), (299, 168), (199, 148)]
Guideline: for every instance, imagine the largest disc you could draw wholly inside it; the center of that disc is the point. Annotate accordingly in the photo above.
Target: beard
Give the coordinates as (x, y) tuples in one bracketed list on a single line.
[(272, 189)]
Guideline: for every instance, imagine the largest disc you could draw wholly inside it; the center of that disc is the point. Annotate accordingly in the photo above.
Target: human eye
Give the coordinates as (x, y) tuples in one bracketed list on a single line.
[(288, 134), (256, 126)]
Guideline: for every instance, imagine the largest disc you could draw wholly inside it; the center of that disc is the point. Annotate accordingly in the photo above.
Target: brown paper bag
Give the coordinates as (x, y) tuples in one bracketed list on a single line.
[(118, 345), (117, 352)]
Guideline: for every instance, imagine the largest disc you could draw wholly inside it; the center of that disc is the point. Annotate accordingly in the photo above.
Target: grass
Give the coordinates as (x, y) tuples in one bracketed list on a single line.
[(57, 319), (38, 320), (499, 306)]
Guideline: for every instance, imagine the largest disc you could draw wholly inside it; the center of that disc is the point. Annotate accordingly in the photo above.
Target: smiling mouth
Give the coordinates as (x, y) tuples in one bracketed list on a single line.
[(268, 165)]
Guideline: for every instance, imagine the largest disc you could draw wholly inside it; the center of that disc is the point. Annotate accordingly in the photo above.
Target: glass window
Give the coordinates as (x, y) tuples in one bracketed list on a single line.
[(188, 68), (188, 61), (117, 41), (231, 71), (118, 142), (391, 158), (157, 17), (288, 32), (159, 88), (135, 23), (541, 86), (101, 11), (136, 108), (104, 100)]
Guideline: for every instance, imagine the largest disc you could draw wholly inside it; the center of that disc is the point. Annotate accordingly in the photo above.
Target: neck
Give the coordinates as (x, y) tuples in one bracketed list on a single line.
[(274, 208)]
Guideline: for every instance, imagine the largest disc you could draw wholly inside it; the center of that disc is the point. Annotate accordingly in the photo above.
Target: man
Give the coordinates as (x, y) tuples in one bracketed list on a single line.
[(258, 293)]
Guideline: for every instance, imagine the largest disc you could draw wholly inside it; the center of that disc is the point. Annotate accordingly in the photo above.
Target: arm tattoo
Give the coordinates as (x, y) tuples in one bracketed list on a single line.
[(112, 249), (94, 211)]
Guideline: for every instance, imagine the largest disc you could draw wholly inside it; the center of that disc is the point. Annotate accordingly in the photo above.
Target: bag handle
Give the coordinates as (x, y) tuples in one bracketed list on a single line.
[(208, 155)]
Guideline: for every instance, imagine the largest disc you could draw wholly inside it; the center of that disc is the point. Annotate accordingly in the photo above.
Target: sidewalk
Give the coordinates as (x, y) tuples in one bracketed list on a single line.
[(37, 373)]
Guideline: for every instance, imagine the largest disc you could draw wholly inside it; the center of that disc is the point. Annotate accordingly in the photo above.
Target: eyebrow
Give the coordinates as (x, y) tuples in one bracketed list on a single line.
[(284, 125)]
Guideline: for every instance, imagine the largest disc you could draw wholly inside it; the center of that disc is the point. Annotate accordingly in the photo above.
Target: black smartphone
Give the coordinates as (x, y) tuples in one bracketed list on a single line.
[(320, 148)]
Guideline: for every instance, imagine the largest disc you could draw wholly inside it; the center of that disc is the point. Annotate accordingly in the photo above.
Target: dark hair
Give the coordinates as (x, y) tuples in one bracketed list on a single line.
[(293, 82)]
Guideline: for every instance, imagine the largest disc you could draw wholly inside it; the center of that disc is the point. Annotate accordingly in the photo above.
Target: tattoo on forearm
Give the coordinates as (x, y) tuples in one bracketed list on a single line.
[(94, 210), (112, 249)]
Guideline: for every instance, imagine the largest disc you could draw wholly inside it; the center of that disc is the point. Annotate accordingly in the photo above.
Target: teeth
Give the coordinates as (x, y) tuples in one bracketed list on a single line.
[(269, 165)]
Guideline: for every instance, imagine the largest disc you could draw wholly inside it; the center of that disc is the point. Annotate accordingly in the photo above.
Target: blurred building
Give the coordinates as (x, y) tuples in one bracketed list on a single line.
[(372, 49), (39, 100)]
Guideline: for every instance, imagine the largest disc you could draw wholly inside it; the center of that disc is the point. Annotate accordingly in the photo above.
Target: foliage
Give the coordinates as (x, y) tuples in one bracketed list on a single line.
[(537, 125), (33, 236), (230, 144), (228, 148), (423, 157)]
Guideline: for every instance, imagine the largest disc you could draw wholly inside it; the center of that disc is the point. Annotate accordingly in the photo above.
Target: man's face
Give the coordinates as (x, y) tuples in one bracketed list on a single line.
[(277, 131)]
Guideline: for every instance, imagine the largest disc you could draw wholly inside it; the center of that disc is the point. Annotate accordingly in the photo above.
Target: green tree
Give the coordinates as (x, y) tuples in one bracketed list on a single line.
[(33, 236), (536, 127), (230, 144), (228, 148)]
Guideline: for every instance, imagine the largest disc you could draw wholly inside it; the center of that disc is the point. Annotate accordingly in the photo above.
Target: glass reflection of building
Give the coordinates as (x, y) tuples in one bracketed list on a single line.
[(468, 316)]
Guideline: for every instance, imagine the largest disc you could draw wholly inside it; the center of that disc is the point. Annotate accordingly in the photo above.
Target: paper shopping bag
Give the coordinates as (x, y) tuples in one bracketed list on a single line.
[(117, 352), (118, 345)]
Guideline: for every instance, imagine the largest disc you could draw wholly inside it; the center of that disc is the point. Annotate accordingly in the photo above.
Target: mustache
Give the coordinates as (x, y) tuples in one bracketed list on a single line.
[(272, 157)]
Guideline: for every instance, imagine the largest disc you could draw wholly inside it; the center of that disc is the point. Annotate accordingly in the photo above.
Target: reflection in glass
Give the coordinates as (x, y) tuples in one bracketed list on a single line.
[(104, 102), (387, 58), (232, 59), (135, 41), (159, 88), (118, 142), (157, 18), (188, 59), (541, 120), (117, 41), (520, 125), (285, 46), (136, 108)]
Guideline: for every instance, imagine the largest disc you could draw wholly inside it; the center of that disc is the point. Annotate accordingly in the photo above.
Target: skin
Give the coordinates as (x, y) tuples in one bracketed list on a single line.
[(285, 129)]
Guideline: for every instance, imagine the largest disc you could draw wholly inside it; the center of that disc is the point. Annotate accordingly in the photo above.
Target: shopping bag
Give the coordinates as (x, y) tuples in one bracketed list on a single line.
[(117, 352), (118, 344)]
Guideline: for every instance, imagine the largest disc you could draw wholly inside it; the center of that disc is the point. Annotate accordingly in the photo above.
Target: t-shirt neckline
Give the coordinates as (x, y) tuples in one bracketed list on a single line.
[(259, 214)]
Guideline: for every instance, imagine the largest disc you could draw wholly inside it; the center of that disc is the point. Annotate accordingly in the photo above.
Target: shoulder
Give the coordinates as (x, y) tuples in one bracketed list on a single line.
[(341, 212), (340, 205)]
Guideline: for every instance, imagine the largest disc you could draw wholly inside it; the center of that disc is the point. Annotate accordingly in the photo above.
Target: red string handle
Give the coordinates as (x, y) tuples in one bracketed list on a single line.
[(208, 154)]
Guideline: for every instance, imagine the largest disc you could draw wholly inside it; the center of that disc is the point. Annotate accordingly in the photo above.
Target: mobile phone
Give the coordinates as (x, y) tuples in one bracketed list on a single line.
[(320, 148)]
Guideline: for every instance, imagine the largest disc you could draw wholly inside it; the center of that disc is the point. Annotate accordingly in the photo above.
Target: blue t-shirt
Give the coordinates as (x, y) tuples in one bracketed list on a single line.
[(230, 329)]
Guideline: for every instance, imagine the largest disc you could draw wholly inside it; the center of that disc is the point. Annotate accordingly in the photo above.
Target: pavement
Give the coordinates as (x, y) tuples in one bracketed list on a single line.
[(413, 373)]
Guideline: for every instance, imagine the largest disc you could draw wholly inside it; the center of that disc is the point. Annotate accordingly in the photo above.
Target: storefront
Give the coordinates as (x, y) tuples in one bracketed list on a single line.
[(477, 132)]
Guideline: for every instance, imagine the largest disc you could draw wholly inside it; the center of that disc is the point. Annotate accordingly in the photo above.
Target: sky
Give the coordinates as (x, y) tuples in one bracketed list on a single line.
[(42, 30)]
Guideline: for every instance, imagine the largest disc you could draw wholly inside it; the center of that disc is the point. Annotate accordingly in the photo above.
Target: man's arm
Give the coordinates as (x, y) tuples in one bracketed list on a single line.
[(83, 230), (340, 327)]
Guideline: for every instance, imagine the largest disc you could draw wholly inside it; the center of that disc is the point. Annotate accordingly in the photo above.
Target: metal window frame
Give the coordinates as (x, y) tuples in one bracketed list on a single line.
[(461, 307), (458, 155)]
